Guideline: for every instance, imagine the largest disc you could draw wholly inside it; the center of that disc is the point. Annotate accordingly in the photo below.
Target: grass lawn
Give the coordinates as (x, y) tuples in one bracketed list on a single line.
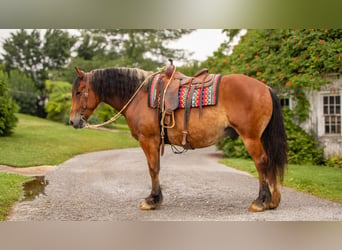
[(10, 191), (324, 182), (42, 142)]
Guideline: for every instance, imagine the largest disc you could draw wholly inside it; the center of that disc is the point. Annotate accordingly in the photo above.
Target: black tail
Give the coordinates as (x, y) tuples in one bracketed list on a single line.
[(274, 140)]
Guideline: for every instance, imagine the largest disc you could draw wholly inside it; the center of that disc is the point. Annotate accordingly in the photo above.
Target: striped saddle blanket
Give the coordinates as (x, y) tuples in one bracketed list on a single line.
[(207, 93)]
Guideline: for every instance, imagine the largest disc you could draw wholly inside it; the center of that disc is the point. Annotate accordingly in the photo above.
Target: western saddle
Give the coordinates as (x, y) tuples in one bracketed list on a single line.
[(169, 99)]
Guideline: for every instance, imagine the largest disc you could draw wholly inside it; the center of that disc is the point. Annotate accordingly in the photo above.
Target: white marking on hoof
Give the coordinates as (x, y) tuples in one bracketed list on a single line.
[(145, 206)]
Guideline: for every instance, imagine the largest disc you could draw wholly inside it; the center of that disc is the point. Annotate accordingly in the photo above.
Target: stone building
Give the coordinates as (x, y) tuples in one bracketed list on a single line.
[(325, 115)]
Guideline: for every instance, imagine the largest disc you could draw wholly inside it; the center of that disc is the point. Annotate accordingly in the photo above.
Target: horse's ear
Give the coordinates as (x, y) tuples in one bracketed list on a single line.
[(79, 72)]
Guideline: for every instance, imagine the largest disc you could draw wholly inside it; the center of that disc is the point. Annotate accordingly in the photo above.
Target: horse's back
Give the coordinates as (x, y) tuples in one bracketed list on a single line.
[(236, 88)]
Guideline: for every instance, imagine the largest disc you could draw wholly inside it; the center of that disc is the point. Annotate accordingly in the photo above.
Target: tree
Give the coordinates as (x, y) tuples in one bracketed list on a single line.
[(143, 48), (92, 45), (291, 61), (23, 91), (99, 48), (35, 54), (7, 109), (22, 52)]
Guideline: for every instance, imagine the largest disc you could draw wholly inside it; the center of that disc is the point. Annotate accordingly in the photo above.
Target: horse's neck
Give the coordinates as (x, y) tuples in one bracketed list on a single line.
[(115, 102), (118, 94)]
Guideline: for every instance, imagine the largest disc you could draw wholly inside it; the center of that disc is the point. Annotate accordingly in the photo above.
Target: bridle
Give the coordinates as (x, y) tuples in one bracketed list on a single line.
[(87, 78)]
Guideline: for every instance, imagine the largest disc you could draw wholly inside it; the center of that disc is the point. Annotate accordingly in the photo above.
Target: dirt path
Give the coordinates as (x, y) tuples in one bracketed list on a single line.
[(109, 185), (29, 171)]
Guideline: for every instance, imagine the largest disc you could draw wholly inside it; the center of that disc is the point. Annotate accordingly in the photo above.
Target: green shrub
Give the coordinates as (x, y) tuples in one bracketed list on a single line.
[(334, 161), (233, 148), (23, 91), (59, 101), (7, 109), (303, 148), (103, 113), (59, 104)]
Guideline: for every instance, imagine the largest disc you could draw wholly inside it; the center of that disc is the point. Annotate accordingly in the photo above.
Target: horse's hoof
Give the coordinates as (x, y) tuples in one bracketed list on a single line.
[(145, 206), (275, 200), (152, 202), (256, 206)]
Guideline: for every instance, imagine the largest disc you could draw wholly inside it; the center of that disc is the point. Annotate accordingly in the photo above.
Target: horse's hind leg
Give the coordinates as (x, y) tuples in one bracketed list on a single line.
[(269, 195), (151, 150)]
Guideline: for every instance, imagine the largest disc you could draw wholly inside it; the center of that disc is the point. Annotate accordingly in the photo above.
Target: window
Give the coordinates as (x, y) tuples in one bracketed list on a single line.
[(285, 102), (332, 114)]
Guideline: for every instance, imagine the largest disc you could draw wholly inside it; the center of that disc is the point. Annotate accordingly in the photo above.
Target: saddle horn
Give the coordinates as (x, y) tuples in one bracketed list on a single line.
[(170, 68)]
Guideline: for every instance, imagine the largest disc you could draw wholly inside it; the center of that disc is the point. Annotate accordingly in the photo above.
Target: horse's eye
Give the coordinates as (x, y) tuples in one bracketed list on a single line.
[(78, 93)]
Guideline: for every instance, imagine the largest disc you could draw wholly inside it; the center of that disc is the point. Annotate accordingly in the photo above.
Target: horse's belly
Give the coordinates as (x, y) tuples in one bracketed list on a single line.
[(203, 131)]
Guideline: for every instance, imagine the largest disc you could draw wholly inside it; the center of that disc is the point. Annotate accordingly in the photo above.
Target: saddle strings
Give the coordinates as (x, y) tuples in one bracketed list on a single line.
[(163, 107)]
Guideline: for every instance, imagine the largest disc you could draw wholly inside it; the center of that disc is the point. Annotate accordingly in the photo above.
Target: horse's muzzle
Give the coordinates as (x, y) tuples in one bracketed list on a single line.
[(78, 122)]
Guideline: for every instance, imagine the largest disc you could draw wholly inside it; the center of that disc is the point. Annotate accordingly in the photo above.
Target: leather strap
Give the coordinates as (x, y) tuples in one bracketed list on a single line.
[(88, 78), (201, 98), (185, 142)]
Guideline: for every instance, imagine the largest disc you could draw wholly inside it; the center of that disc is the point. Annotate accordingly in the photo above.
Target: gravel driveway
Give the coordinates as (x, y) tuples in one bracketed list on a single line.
[(109, 185)]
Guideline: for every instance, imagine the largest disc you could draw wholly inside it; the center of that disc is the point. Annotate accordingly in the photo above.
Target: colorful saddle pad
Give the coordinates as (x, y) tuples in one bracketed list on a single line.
[(209, 93)]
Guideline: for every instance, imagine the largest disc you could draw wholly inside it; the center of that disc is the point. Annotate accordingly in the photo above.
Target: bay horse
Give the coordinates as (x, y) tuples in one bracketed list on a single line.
[(246, 107)]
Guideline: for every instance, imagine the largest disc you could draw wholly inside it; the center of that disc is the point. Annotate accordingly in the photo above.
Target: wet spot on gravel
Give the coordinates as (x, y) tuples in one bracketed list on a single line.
[(34, 188)]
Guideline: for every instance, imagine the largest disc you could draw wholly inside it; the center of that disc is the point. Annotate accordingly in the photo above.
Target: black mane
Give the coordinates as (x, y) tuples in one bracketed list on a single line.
[(121, 82)]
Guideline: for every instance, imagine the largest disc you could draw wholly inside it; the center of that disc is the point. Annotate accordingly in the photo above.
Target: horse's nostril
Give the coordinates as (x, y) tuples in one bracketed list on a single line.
[(71, 122)]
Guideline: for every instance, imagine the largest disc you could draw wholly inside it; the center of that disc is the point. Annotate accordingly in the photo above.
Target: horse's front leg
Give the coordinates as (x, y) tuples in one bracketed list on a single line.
[(151, 149)]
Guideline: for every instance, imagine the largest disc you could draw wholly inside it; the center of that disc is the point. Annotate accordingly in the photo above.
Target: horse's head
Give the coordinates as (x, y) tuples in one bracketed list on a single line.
[(84, 99)]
